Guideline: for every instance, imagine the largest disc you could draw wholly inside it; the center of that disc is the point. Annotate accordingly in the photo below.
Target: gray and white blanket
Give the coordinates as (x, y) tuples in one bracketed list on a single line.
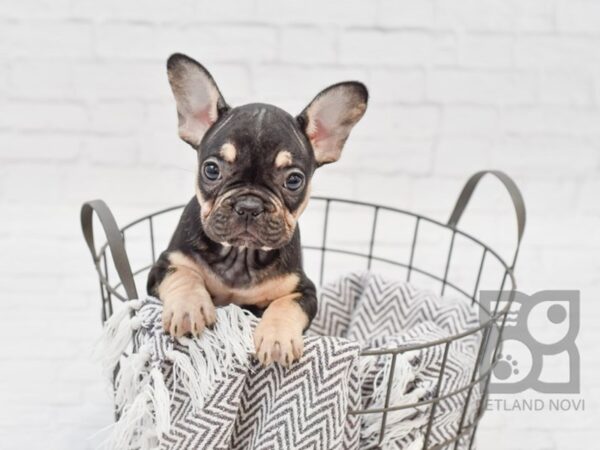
[(209, 393)]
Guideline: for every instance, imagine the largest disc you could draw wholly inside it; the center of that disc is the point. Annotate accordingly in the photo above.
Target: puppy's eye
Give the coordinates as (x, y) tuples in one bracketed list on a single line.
[(211, 171), (294, 181)]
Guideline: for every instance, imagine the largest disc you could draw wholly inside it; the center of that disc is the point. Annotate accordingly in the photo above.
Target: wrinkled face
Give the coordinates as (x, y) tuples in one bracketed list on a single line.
[(254, 171), (255, 162)]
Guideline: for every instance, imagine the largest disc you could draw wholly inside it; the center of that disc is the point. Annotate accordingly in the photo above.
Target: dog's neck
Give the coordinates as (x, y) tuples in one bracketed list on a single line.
[(236, 267), (239, 266)]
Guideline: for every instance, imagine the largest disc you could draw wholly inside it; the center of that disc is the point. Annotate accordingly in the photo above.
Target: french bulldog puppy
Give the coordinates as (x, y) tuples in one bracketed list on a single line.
[(237, 239)]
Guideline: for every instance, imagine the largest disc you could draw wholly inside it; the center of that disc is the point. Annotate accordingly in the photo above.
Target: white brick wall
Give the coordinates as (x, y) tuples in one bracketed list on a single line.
[(456, 86)]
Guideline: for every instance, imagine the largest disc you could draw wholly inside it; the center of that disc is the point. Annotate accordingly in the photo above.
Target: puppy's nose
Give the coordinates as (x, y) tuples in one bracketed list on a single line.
[(249, 205)]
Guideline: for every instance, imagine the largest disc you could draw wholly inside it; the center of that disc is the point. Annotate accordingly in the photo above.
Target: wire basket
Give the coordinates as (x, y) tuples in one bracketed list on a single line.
[(347, 235)]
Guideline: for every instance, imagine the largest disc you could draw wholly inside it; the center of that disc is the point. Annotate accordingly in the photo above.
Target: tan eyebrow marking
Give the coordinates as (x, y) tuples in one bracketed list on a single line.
[(283, 159), (228, 152)]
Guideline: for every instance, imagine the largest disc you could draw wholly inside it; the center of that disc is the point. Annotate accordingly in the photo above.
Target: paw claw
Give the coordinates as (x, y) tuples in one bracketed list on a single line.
[(276, 352)]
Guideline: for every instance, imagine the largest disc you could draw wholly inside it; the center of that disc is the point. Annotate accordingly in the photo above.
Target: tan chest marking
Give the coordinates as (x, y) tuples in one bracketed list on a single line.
[(260, 295)]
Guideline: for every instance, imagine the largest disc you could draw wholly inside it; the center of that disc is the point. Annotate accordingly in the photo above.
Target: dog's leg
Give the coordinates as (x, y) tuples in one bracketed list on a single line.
[(278, 335), (188, 307)]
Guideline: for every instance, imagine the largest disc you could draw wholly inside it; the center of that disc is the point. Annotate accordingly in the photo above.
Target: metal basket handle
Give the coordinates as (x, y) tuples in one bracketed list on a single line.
[(114, 238), (515, 195)]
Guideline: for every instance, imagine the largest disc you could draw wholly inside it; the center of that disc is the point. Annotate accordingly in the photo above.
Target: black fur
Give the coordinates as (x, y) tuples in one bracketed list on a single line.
[(244, 249), (238, 267)]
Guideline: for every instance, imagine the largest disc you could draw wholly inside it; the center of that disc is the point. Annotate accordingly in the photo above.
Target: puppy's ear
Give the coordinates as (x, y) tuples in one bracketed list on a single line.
[(328, 119), (199, 101)]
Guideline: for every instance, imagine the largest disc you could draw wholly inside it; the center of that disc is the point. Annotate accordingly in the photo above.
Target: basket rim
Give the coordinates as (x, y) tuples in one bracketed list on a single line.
[(492, 318), (379, 206)]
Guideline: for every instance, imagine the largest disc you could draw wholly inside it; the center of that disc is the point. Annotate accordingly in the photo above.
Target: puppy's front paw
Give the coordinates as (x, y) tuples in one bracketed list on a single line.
[(278, 341), (188, 316)]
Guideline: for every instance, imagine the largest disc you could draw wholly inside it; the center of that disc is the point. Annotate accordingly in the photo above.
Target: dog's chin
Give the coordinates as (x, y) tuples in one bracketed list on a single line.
[(249, 241)]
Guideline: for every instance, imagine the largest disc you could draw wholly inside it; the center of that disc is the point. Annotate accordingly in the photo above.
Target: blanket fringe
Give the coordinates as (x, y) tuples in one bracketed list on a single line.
[(116, 335), (401, 422), (125, 432), (417, 444), (190, 379), (211, 356), (148, 410), (131, 374), (141, 394), (161, 402)]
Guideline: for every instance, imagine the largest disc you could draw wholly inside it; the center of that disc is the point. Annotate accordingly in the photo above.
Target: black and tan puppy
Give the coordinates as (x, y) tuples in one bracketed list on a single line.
[(237, 239)]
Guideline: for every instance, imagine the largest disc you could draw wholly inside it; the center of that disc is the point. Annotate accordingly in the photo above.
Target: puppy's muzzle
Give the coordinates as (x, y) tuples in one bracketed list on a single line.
[(247, 206), (249, 218)]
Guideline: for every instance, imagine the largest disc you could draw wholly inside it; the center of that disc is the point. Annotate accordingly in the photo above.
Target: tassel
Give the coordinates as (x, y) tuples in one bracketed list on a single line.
[(214, 353), (116, 335), (149, 440), (211, 354), (112, 323), (204, 356), (131, 372), (232, 336), (402, 376), (205, 371), (126, 432), (161, 402), (184, 371), (139, 391), (398, 423), (417, 444), (245, 345)]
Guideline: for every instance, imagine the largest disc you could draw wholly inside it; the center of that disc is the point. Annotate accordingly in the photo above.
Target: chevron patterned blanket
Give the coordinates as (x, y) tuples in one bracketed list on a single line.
[(208, 393)]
